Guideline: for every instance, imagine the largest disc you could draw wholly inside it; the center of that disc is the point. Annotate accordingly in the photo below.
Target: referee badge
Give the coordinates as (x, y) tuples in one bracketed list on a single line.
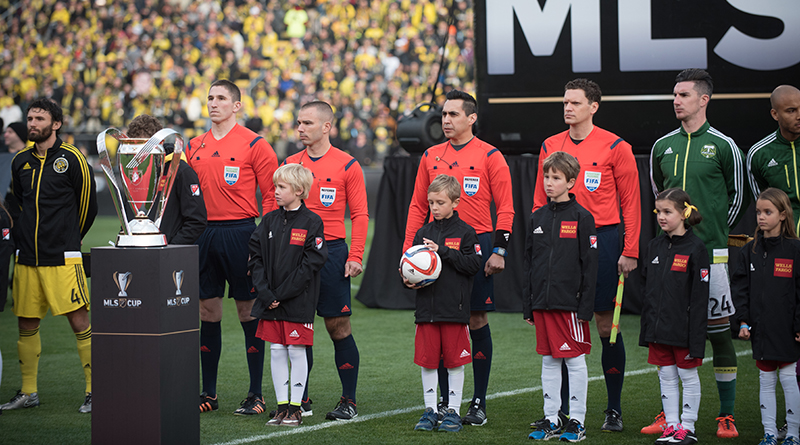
[(231, 175), (471, 185), (327, 196), (61, 165), (591, 180)]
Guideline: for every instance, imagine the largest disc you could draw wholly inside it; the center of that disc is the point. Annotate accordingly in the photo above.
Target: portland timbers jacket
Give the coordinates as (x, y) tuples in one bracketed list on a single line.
[(766, 294), (287, 251), (710, 168), (57, 200), (773, 162), (448, 298), (560, 260), (675, 304)]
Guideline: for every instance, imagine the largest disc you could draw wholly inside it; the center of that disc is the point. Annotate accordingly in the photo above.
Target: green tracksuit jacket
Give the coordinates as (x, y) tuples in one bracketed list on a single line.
[(710, 167), (773, 162)]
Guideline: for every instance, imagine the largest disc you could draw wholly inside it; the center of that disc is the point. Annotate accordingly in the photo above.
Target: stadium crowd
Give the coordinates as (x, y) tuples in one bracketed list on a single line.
[(108, 61)]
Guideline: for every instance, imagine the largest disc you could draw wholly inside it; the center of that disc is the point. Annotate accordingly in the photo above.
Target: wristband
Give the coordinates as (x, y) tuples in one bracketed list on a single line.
[(500, 251), (744, 326), (501, 238)]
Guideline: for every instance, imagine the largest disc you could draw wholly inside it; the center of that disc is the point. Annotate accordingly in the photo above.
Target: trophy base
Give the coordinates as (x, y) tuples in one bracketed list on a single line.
[(142, 240)]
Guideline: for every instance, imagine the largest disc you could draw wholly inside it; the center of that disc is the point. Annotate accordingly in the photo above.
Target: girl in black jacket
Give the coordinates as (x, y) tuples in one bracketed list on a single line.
[(675, 311), (766, 293)]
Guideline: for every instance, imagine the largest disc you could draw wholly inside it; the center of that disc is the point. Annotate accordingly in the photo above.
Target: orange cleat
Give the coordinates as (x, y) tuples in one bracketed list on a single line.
[(726, 427), (658, 425)]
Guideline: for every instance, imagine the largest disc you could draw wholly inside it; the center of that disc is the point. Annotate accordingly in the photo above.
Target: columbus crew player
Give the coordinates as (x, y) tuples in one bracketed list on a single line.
[(483, 174), (338, 182), (608, 176), (230, 161), (710, 167)]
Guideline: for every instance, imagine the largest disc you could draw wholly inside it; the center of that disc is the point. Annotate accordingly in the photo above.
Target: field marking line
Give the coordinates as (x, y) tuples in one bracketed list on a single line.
[(321, 426)]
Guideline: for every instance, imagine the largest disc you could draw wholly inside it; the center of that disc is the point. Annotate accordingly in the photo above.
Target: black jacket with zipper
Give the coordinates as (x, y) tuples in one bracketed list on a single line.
[(766, 294), (675, 306), (560, 260), (448, 298), (287, 251)]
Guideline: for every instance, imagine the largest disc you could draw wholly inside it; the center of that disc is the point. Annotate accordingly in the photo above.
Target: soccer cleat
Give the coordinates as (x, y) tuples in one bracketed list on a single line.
[(545, 430), (658, 426), (305, 408), (208, 403), (791, 440), (451, 422), (293, 419), (666, 436), (86, 408), (768, 439), (613, 423), (782, 432), (428, 421), (726, 427), (563, 418), (683, 437), (253, 404), (476, 415), (574, 432), (281, 412), (441, 410), (345, 410), (21, 400)]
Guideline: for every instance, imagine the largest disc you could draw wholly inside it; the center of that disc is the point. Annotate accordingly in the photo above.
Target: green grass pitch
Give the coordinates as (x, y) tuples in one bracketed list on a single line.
[(389, 390)]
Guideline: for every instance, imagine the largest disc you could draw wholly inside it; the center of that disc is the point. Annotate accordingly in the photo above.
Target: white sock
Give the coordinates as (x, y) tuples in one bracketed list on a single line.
[(430, 380), (297, 355), (455, 379), (578, 386), (670, 393), (551, 387), (792, 396), (691, 397), (279, 365), (766, 397)]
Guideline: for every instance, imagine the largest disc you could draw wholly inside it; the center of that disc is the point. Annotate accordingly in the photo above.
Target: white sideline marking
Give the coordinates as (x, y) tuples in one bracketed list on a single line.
[(320, 426)]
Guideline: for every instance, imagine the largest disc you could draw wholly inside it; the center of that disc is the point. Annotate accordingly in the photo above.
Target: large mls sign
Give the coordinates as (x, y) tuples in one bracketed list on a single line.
[(528, 49)]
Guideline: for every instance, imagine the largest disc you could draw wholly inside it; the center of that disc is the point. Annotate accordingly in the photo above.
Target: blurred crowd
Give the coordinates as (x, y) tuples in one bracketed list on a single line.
[(107, 61)]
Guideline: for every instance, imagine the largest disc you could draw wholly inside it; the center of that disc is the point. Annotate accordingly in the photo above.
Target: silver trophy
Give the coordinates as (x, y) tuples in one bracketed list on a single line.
[(123, 280), (177, 278), (139, 185)]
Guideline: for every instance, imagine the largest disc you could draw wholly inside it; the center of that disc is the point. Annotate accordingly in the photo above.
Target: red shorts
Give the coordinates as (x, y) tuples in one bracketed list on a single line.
[(666, 355), (286, 332), (771, 365), (558, 333), (442, 341)]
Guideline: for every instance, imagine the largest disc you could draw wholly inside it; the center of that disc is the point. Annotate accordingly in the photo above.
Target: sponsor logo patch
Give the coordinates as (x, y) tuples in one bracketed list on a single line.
[(772, 163), (453, 243), (783, 267), (231, 175), (655, 260), (538, 231), (569, 229), (464, 353), (471, 185), (669, 151), (298, 237), (680, 263), (591, 180)]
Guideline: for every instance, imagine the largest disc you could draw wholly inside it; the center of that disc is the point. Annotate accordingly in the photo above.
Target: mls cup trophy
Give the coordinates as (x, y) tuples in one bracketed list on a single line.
[(139, 184)]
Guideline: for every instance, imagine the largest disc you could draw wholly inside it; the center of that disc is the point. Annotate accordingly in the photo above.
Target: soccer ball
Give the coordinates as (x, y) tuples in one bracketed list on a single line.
[(420, 265)]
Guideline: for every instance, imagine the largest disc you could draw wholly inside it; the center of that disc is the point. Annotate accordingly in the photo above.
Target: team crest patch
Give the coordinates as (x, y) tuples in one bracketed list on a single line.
[(453, 243), (318, 242), (478, 249), (231, 175), (591, 180), (471, 185), (195, 188), (704, 275), (6, 234), (569, 229), (298, 237), (708, 151), (61, 165), (593, 241), (327, 195), (680, 263), (783, 267)]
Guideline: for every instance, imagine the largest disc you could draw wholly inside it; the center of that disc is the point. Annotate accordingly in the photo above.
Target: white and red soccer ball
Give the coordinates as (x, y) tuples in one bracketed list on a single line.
[(420, 265)]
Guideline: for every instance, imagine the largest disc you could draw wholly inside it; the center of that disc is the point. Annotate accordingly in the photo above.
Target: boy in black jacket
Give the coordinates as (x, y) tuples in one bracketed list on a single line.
[(443, 307), (287, 252), (561, 269)]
